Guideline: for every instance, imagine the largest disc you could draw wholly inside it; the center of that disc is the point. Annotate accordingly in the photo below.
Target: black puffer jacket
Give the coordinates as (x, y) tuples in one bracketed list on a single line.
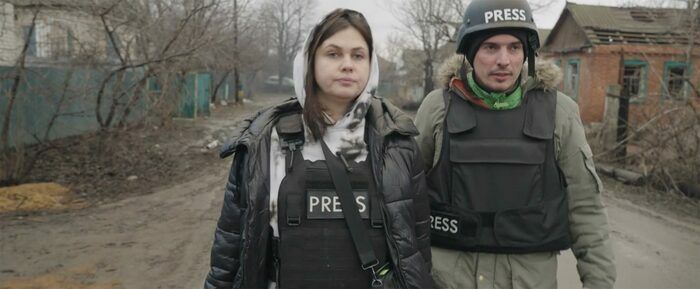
[(239, 256)]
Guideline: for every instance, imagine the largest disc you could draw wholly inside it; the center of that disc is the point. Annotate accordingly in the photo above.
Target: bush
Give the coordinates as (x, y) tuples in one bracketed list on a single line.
[(665, 147)]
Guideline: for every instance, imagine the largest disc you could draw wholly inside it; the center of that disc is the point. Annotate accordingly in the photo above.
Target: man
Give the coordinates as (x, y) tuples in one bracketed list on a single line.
[(512, 180)]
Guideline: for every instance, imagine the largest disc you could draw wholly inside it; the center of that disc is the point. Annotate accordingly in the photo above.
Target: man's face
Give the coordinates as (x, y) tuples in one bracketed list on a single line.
[(498, 62)]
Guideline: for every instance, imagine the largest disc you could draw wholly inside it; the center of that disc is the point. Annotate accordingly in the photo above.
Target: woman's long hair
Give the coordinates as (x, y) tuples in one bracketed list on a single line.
[(334, 22)]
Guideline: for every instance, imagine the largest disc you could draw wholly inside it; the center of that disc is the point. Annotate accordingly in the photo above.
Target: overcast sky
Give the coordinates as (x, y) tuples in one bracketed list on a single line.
[(383, 22)]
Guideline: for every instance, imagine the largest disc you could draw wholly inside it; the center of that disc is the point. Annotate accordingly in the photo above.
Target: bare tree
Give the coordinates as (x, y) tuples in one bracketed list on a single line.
[(667, 138), (234, 43), (127, 43), (288, 20), (16, 160), (169, 37), (431, 24), (17, 75), (10, 159)]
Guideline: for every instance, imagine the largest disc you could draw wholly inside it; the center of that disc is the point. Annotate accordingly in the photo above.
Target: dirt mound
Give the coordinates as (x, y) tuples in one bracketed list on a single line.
[(74, 278), (36, 197)]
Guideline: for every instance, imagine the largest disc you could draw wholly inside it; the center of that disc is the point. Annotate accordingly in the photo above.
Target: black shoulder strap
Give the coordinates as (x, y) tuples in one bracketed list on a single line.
[(290, 129), (359, 234)]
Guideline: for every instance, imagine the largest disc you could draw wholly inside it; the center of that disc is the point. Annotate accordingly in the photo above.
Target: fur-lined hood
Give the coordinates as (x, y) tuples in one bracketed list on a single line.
[(549, 75)]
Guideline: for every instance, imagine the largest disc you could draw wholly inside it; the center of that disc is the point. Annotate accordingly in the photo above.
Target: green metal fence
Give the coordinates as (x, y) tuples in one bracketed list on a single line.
[(65, 99), (54, 102)]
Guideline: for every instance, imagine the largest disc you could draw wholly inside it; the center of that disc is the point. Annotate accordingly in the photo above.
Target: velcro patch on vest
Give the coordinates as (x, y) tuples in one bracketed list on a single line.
[(325, 204), (444, 223), (454, 226)]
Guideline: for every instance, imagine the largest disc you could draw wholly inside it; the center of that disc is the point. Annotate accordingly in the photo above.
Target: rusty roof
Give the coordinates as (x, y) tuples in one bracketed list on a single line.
[(629, 25)]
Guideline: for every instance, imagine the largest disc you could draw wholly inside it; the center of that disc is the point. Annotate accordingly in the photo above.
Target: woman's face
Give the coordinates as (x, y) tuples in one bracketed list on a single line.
[(342, 66)]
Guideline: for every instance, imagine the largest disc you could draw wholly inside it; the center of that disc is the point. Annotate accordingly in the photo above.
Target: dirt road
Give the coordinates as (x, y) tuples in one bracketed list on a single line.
[(159, 240), (162, 240), (651, 250)]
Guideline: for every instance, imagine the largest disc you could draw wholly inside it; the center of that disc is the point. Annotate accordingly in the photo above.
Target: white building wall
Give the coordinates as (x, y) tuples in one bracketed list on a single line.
[(9, 40), (60, 34)]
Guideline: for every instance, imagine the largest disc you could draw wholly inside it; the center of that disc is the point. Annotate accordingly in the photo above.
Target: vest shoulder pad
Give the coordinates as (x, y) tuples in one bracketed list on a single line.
[(290, 128), (455, 118), (539, 115)]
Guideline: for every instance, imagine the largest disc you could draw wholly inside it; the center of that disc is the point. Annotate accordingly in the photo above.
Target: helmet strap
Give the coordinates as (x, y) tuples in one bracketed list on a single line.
[(463, 70), (531, 63)]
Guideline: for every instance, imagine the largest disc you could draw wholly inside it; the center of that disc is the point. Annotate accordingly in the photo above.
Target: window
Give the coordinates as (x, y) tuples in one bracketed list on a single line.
[(62, 42), (558, 62), (572, 78), (674, 80), (635, 79), (31, 50)]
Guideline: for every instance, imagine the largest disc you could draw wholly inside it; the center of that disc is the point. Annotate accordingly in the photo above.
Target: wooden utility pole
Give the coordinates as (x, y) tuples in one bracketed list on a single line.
[(692, 16), (236, 54), (623, 110)]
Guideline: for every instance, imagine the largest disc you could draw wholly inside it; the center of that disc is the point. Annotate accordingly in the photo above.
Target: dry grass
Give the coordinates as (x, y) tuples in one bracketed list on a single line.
[(36, 197), (74, 278)]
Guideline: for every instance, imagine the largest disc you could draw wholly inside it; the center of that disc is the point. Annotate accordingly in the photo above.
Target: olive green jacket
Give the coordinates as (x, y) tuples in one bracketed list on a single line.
[(588, 221)]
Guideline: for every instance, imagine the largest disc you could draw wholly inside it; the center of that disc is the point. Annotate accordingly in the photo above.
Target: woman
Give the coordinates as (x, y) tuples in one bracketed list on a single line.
[(282, 223)]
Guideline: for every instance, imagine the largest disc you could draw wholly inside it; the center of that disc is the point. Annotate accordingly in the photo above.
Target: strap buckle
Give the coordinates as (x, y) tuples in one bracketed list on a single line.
[(293, 221), (376, 282), (370, 265)]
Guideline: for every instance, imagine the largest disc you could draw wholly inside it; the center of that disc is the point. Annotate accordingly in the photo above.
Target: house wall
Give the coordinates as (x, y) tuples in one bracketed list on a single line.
[(60, 35), (599, 69), (8, 37)]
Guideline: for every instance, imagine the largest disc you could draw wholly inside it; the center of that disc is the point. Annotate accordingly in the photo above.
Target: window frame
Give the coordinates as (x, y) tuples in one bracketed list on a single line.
[(573, 92), (643, 79), (668, 66)]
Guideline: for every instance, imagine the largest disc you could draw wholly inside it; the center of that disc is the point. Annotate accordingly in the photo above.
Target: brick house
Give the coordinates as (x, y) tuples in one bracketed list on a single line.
[(590, 42)]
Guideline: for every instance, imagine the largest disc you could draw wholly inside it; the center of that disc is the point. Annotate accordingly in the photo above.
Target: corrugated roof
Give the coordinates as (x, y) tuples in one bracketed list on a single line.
[(645, 25)]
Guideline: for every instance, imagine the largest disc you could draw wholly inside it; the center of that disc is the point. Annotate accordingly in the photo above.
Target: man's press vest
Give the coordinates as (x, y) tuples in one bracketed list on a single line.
[(497, 187), (315, 248)]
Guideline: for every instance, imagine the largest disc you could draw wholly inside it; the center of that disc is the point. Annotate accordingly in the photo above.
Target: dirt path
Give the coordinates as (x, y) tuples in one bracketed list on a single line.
[(651, 250), (154, 241), (162, 240)]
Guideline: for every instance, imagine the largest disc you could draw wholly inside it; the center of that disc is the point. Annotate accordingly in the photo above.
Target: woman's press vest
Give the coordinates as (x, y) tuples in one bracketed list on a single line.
[(315, 248), (497, 187)]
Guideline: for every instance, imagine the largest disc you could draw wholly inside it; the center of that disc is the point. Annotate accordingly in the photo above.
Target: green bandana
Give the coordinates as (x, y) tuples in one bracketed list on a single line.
[(495, 100)]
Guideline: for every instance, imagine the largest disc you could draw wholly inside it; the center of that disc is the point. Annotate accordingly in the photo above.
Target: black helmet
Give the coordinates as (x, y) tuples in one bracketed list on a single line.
[(501, 15), (484, 15)]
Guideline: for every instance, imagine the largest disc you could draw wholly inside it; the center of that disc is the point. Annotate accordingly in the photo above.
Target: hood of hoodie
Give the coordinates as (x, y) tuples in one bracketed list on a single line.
[(359, 106), (547, 74)]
